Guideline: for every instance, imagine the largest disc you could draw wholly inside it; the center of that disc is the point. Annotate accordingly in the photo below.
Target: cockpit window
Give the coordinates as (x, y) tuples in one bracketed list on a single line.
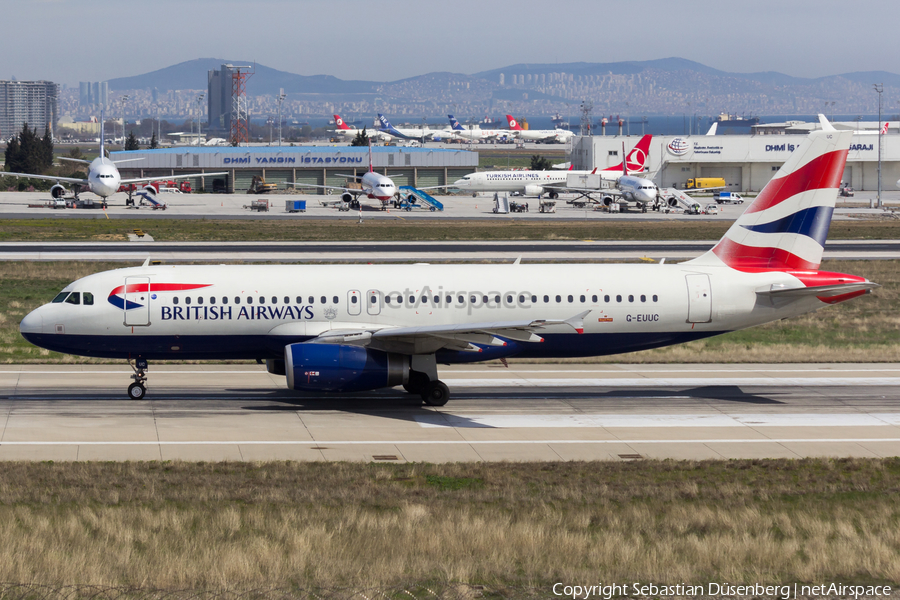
[(88, 299), (60, 297), (74, 298)]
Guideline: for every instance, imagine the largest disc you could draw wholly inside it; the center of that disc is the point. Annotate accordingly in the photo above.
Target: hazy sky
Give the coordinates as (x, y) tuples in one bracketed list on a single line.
[(68, 41)]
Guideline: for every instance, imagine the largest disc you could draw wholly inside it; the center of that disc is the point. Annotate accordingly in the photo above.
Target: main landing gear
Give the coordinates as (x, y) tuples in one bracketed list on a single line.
[(137, 389), (424, 382)]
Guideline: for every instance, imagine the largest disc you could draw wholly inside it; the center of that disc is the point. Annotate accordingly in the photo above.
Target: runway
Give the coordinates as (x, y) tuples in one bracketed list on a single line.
[(546, 412), (575, 250)]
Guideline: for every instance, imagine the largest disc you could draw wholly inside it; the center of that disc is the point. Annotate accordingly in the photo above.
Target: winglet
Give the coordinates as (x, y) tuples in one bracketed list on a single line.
[(518, 261), (826, 126), (146, 262)]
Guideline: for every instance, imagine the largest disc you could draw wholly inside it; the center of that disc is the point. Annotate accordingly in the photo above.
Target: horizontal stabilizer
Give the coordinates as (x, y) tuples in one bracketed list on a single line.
[(825, 291)]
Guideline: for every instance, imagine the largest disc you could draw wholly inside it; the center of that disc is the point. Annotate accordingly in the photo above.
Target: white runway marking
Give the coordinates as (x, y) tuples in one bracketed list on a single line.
[(672, 420), (675, 382), (323, 444)]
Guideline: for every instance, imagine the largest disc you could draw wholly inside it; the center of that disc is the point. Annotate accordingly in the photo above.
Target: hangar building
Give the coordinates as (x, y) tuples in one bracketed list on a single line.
[(318, 165)]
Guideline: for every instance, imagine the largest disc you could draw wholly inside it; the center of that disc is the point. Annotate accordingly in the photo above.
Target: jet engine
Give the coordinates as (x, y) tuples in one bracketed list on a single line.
[(608, 200), (672, 201), (57, 191), (342, 368), (150, 190), (347, 197), (533, 190)]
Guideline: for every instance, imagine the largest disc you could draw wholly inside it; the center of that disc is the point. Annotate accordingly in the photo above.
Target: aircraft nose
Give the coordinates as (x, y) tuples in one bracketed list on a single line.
[(32, 323)]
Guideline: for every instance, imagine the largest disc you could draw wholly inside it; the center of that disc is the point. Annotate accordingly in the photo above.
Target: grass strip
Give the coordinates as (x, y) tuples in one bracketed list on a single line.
[(349, 229), (243, 526), (861, 330)]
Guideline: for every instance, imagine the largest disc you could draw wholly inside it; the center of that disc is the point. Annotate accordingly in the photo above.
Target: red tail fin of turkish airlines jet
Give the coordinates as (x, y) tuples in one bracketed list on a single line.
[(339, 122), (636, 161), (513, 124)]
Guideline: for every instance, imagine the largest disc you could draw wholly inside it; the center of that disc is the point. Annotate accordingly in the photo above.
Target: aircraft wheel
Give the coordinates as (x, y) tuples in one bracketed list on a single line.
[(136, 391), (417, 383), (436, 393)]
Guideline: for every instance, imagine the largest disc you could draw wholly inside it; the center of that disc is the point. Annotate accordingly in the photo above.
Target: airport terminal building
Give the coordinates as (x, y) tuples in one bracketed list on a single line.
[(317, 165), (746, 162)]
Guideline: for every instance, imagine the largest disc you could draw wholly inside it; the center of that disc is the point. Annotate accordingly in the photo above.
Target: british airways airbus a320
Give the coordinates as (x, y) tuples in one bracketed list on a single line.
[(346, 328)]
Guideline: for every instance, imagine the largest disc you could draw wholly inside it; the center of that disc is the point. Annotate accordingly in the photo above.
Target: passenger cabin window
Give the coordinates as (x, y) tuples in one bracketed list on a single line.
[(299, 299), (212, 299), (312, 300), (74, 298), (630, 298), (249, 299), (262, 300), (334, 299), (87, 299), (324, 299), (618, 298), (546, 298), (655, 297), (59, 297), (534, 298), (461, 299), (287, 300), (571, 298), (187, 300), (582, 298), (643, 298), (274, 300), (175, 300), (353, 300), (606, 298), (449, 299), (224, 299), (594, 298), (200, 300), (237, 299), (373, 299), (558, 299)]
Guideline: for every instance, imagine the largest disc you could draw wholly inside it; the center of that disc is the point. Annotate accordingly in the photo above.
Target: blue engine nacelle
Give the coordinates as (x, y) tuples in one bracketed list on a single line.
[(335, 368)]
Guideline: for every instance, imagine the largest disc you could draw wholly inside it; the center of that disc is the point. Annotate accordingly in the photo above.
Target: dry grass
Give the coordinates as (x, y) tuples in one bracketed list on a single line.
[(227, 526)]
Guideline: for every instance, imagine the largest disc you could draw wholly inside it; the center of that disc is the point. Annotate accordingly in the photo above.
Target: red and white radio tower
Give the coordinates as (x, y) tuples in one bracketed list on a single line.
[(239, 113)]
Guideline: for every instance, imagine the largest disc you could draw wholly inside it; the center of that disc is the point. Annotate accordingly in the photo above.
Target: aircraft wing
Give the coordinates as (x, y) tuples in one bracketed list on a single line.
[(326, 187), (168, 177), (430, 338), (47, 177)]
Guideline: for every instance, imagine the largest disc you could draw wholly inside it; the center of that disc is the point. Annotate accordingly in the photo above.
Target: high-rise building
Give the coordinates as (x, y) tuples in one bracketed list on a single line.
[(32, 102), (84, 93), (218, 101), (103, 99)]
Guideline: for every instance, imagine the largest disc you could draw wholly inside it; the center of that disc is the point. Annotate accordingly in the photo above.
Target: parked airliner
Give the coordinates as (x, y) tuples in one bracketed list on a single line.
[(421, 135), (344, 131), (547, 136), (371, 185), (552, 182), (478, 134), (103, 177), (347, 328)]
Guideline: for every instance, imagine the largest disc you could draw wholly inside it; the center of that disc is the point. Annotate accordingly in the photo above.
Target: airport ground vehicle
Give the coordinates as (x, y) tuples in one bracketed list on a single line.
[(705, 183), (728, 198)]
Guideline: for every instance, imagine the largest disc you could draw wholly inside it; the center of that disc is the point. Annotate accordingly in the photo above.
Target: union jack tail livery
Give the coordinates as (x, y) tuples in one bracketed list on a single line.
[(636, 161), (513, 124), (786, 225), (339, 123)]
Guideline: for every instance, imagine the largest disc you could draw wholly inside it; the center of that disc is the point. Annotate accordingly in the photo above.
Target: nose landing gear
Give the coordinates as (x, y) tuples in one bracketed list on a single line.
[(137, 389)]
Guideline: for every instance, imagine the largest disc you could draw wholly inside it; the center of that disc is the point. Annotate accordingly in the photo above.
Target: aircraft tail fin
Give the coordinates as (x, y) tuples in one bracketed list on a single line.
[(513, 124), (339, 123), (636, 160), (102, 141), (785, 227), (454, 124), (371, 168)]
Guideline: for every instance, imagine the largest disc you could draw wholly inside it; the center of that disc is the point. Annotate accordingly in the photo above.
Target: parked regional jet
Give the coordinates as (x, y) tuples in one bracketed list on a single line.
[(345, 132), (348, 328), (552, 182), (371, 185), (478, 134), (421, 134), (103, 177), (547, 136)]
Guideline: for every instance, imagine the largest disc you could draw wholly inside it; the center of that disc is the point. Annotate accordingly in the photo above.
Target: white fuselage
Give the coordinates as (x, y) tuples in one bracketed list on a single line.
[(378, 186), (512, 181), (637, 189), (253, 311), (103, 177), (559, 136)]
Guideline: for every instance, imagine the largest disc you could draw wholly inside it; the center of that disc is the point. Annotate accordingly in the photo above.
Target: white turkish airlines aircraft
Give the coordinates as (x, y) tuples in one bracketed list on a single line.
[(548, 136), (346, 328), (344, 131), (371, 185), (103, 177), (535, 183)]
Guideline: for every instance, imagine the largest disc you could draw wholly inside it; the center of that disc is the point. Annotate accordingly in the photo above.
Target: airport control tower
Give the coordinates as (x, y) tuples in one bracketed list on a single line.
[(227, 102)]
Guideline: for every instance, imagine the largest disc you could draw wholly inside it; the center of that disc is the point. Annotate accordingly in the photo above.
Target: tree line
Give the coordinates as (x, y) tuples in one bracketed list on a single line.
[(28, 153)]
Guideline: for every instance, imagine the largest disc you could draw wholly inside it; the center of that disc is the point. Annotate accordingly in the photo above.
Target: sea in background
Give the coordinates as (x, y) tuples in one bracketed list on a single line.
[(657, 125)]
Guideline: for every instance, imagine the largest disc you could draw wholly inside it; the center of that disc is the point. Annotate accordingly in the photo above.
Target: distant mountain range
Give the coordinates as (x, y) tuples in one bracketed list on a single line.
[(663, 86)]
